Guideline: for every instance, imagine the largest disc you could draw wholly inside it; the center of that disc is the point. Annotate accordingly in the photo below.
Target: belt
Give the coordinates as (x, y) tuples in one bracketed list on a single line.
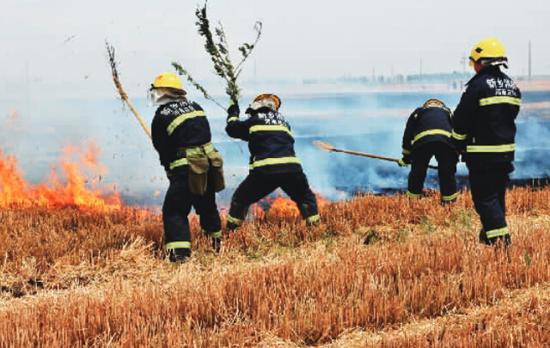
[(191, 151)]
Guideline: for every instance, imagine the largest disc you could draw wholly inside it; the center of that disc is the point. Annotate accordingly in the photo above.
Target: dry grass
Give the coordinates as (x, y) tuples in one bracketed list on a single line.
[(88, 279), (520, 319)]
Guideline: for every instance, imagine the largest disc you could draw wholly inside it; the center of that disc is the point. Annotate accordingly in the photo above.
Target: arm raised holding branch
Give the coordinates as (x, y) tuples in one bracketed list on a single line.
[(217, 47)]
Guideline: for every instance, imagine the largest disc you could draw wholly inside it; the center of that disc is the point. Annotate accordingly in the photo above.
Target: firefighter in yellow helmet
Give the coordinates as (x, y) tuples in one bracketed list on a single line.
[(181, 135), (484, 131), (273, 162)]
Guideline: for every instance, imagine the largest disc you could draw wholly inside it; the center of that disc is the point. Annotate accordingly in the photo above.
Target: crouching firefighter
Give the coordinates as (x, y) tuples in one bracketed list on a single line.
[(273, 162), (428, 134), (181, 135), (484, 130)]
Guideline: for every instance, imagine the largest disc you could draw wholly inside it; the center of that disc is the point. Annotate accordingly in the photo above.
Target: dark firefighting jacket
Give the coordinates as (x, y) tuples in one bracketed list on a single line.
[(484, 121), (270, 140), (426, 125), (177, 126)]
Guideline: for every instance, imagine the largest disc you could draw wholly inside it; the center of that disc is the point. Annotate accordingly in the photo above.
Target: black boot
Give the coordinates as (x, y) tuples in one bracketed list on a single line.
[(216, 244), (179, 255), (447, 203), (483, 237), (231, 227), (505, 241)]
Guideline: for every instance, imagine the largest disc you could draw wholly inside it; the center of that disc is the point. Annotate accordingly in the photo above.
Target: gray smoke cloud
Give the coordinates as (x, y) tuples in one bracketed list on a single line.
[(369, 121)]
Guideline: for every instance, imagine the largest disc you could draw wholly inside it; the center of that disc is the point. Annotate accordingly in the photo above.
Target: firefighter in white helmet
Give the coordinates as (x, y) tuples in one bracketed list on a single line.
[(181, 135)]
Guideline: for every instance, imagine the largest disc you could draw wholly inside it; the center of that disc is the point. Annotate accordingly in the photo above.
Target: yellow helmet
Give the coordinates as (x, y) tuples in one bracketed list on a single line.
[(490, 52), (168, 80), (275, 100)]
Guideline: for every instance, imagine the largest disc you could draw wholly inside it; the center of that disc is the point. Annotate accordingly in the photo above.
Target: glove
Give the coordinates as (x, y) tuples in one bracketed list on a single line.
[(460, 155), (233, 110), (405, 161)]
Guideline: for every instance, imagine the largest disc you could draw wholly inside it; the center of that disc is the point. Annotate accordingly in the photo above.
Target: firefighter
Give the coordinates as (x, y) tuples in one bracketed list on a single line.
[(428, 134), (484, 131), (273, 162), (181, 135)]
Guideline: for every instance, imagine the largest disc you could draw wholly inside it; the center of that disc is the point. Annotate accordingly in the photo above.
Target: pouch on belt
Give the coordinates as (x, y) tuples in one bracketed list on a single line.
[(198, 173), (216, 162)]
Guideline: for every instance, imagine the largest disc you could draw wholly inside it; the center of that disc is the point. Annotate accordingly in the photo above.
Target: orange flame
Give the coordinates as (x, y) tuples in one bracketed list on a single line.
[(282, 207), (70, 189)]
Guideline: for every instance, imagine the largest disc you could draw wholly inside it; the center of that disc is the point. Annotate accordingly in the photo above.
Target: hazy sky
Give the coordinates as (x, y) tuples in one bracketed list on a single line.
[(58, 45)]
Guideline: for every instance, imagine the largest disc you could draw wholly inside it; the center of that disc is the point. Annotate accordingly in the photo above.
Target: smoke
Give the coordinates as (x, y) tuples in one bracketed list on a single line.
[(370, 122), (374, 122), (533, 146)]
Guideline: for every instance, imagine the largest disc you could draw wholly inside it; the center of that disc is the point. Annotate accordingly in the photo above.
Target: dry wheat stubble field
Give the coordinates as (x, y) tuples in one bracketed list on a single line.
[(72, 278)]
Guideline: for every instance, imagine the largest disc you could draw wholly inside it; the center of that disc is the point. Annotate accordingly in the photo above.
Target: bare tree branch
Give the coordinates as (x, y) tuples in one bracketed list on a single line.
[(118, 85), (217, 47)]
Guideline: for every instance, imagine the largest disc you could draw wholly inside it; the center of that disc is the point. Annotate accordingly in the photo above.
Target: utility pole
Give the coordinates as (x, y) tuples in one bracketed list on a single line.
[(463, 64), (530, 62)]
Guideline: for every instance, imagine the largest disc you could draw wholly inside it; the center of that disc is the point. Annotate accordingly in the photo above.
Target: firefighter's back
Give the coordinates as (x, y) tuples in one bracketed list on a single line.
[(271, 142), (494, 130)]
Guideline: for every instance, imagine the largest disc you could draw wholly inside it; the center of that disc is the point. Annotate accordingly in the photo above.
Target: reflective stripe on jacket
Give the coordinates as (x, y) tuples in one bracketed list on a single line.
[(177, 125), (484, 121), (427, 125), (270, 140)]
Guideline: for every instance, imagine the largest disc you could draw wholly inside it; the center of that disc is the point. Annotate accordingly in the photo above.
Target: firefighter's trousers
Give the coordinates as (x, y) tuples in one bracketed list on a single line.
[(446, 161), (177, 205), (258, 185), (488, 185)]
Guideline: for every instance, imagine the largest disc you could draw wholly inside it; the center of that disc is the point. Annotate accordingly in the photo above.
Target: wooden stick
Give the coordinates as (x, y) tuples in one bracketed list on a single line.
[(328, 147), (122, 92)]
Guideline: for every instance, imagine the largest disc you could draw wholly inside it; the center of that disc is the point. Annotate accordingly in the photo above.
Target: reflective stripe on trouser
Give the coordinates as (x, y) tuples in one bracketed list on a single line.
[(178, 245), (258, 185), (499, 232), (177, 206), (273, 161), (216, 234), (446, 168), (491, 148), (449, 197), (500, 100), (413, 195), (206, 148), (488, 186), (430, 132), (234, 220), (233, 119)]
